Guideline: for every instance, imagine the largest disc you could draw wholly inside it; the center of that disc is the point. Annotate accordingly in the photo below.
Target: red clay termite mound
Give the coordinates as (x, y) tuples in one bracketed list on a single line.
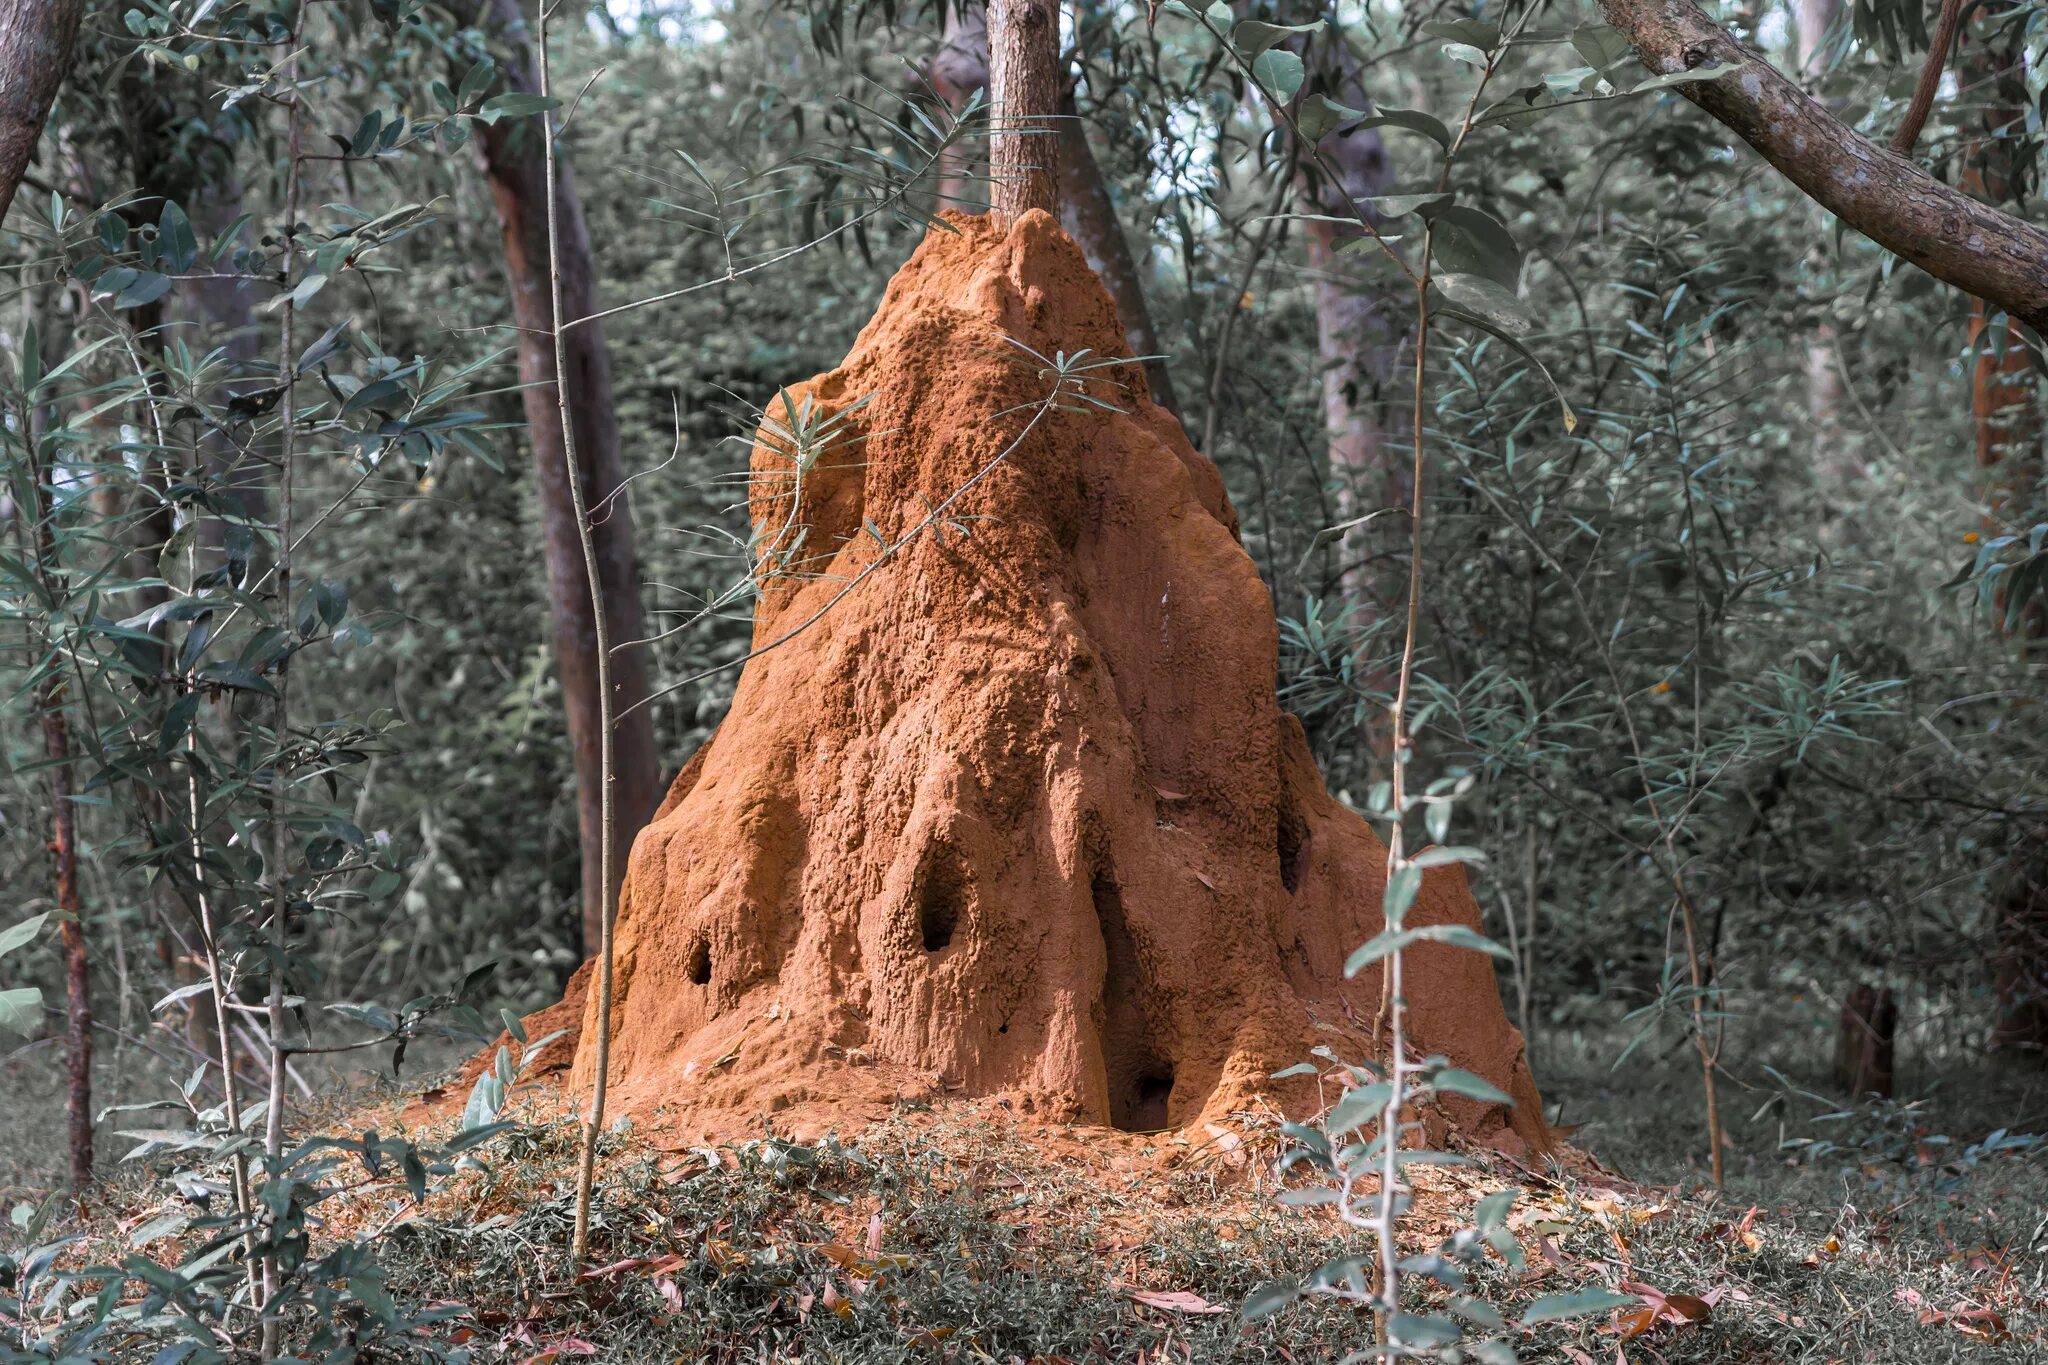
[(1020, 814)]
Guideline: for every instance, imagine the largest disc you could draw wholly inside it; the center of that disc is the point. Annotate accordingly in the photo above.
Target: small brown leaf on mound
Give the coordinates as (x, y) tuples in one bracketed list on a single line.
[(1826, 1251), (1982, 1324), (1688, 1308), (845, 1257), (1677, 1309)]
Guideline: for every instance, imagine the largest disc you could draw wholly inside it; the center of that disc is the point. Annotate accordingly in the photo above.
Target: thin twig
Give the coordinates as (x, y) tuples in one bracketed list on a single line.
[(280, 928), (586, 1165)]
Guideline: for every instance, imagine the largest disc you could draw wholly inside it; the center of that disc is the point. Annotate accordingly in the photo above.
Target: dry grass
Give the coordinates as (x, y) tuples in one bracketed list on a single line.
[(967, 1234)]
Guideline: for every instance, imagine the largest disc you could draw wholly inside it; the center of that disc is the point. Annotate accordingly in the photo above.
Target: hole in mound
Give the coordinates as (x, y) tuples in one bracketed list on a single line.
[(941, 894), (937, 920), (1291, 843), (699, 965), (1147, 1107), (1140, 1078)]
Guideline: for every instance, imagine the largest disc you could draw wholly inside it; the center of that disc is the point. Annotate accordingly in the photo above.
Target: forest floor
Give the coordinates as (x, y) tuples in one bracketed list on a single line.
[(1908, 1232)]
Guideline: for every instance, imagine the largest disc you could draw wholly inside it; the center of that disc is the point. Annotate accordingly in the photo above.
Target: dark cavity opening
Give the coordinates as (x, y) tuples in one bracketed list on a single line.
[(1140, 1078), (941, 894), (1148, 1102), (700, 963), (1291, 843)]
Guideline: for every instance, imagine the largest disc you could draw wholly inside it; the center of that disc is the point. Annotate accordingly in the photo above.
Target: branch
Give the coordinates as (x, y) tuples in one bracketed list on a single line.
[(1930, 79), (35, 52), (1995, 256)]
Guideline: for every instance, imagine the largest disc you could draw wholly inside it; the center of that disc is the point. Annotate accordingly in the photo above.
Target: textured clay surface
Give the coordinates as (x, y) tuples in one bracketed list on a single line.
[(1020, 816)]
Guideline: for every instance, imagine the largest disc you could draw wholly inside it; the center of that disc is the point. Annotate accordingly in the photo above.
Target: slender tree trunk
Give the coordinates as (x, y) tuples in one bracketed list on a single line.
[(35, 54), (2006, 412), (956, 71), (1837, 464), (77, 1000), (1089, 216), (1864, 1042), (513, 159), (1024, 59), (56, 727), (1356, 339)]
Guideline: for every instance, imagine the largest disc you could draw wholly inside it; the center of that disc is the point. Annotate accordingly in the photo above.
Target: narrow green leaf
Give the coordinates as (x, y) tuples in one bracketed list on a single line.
[(1583, 1304), (20, 934), (1458, 1082), (1415, 121), (516, 105)]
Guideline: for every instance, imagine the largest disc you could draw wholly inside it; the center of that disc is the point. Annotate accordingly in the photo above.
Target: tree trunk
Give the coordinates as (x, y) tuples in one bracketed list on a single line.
[(1024, 59), (1864, 1044), (1089, 216), (71, 928), (2006, 410), (956, 71), (512, 156), (2005, 406), (1816, 19), (1356, 342), (56, 727), (35, 53), (1837, 465)]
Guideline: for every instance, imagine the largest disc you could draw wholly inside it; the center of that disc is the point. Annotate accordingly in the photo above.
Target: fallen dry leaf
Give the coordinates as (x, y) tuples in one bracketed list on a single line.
[(1175, 1301)]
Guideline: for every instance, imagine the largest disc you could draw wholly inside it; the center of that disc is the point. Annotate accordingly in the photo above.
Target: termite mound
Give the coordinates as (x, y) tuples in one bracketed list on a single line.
[(1008, 806)]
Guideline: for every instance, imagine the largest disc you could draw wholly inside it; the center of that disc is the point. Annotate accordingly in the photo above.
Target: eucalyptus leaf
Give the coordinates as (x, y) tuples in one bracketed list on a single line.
[(1415, 121), (21, 1010), (1254, 37), (1470, 241), (1486, 297), (1584, 1303), (1319, 115), (19, 935), (1280, 72)]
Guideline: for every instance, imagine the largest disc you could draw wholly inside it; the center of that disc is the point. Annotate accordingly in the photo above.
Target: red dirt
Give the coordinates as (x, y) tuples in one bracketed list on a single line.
[(1021, 815)]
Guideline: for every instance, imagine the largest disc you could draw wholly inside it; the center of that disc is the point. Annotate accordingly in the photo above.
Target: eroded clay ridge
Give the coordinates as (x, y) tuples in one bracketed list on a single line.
[(1021, 813)]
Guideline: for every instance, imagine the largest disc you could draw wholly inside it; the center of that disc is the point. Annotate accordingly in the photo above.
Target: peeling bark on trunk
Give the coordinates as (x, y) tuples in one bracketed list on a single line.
[(35, 54), (1023, 88), (513, 159)]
